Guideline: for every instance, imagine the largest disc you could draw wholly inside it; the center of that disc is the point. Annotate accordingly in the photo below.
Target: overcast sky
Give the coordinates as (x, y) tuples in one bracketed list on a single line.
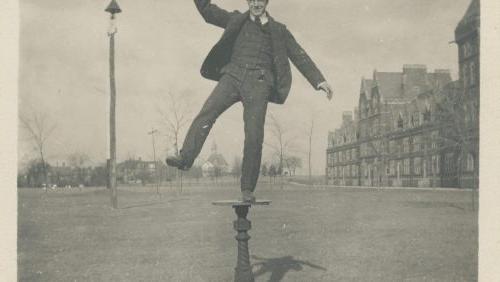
[(160, 46)]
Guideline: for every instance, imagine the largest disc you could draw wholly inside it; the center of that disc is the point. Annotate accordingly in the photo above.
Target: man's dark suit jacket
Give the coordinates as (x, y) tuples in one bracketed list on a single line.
[(284, 47)]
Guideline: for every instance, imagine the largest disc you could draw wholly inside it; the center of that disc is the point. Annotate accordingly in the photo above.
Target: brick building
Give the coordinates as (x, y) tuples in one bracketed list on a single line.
[(413, 128)]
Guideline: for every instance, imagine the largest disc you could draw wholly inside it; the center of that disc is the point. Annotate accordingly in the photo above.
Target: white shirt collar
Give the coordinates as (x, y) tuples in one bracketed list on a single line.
[(263, 19)]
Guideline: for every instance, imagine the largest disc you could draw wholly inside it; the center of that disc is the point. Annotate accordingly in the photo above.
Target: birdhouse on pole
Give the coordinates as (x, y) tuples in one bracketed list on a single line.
[(113, 8)]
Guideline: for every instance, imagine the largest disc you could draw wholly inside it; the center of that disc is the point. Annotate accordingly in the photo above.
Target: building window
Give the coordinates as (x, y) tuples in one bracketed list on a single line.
[(427, 114), (417, 166), (415, 119), (400, 121), (406, 166), (406, 145), (415, 143), (466, 49), (392, 167), (470, 163), (434, 139), (475, 112), (435, 164), (392, 147), (472, 74), (448, 162), (465, 75)]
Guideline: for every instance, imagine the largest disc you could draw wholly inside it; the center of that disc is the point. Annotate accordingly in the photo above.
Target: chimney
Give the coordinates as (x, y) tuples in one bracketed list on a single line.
[(346, 117), (414, 67), (414, 79)]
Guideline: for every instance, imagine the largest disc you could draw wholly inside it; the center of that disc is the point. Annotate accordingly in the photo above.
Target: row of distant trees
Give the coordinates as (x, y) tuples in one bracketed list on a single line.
[(38, 129), (43, 174)]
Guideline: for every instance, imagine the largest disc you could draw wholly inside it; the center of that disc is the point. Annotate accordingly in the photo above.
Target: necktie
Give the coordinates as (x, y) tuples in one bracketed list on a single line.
[(258, 21)]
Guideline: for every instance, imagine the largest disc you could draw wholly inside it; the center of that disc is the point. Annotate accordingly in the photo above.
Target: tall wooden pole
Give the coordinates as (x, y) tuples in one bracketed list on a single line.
[(112, 122)]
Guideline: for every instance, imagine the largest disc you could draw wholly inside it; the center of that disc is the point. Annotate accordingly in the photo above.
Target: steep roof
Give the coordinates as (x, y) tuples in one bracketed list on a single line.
[(389, 84), (217, 159), (469, 22), (409, 83)]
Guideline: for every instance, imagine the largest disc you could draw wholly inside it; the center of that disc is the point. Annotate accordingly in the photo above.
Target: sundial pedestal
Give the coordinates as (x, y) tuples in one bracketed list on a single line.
[(243, 270)]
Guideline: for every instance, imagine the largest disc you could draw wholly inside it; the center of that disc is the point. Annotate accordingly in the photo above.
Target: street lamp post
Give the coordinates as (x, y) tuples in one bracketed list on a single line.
[(113, 9)]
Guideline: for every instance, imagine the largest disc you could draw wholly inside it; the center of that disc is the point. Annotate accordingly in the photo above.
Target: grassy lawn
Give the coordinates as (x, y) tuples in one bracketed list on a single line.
[(305, 235)]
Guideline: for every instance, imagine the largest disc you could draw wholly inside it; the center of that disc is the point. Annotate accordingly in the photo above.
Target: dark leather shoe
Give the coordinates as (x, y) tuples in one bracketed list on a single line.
[(178, 162)]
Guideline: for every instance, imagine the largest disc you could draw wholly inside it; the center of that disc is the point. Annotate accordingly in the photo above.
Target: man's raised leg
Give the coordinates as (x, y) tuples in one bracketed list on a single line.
[(223, 96)]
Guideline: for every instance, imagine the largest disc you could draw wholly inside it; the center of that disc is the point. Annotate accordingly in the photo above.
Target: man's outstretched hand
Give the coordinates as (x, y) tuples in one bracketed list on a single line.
[(327, 89)]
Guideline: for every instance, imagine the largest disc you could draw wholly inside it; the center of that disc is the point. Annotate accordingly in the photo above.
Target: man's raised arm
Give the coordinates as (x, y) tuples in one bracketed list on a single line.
[(302, 61), (212, 14)]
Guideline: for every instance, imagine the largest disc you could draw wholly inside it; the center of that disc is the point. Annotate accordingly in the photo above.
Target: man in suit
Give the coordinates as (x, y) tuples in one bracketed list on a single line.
[(251, 64)]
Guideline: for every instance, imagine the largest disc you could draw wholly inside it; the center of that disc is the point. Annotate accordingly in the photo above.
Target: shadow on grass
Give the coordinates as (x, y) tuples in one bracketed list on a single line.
[(422, 204), (158, 202), (278, 267)]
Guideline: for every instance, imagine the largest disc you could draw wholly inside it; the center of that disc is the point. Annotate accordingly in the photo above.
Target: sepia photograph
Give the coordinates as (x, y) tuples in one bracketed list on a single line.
[(250, 140)]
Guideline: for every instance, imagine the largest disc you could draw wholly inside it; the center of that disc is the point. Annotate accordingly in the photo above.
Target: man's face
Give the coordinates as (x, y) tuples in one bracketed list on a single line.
[(257, 7)]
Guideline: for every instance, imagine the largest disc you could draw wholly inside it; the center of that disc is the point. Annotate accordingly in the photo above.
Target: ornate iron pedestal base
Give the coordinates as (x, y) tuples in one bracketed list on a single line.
[(243, 270)]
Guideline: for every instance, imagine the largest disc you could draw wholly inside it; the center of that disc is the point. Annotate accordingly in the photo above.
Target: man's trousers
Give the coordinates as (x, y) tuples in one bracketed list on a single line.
[(250, 86)]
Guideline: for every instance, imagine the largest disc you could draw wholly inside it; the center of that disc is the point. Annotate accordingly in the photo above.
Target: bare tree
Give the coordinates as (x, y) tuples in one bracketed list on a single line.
[(458, 118), (281, 143), (38, 127), (77, 159), (174, 117), (309, 154), (458, 115), (292, 163)]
